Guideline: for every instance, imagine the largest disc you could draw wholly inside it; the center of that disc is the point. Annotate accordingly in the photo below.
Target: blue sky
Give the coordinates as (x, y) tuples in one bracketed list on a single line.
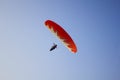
[(94, 25)]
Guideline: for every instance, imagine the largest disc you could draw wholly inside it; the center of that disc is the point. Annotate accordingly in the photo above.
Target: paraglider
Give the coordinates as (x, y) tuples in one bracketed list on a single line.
[(53, 47), (62, 35)]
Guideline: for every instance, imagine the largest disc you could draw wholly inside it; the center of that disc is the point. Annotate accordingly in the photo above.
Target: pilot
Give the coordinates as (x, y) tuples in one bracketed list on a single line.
[(53, 47)]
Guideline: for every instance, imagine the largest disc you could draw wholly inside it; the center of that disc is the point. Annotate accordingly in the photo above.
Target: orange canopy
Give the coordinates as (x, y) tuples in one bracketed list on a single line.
[(62, 35)]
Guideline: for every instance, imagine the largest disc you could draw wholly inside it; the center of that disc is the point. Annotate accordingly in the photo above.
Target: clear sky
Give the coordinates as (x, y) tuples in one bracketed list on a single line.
[(94, 25)]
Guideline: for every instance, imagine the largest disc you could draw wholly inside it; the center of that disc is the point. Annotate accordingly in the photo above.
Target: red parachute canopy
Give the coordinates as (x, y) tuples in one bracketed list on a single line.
[(62, 35)]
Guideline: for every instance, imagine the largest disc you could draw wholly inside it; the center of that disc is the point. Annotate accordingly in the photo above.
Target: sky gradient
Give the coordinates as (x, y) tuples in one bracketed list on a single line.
[(94, 25)]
